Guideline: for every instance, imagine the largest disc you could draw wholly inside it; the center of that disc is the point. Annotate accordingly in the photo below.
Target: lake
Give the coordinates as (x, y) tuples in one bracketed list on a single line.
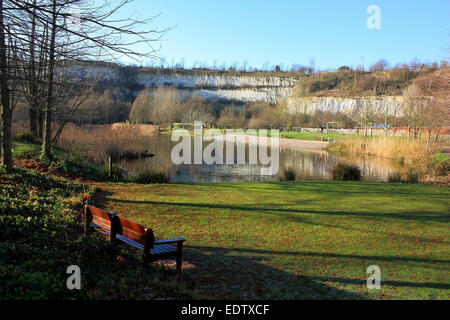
[(308, 165)]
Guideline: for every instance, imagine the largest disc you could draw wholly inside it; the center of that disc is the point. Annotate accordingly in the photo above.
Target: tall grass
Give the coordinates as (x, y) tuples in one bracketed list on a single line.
[(394, 148), (98, 143), (414, 157)]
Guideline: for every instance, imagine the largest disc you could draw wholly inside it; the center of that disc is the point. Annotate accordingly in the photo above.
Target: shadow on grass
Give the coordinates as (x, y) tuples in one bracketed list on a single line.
[(407, 215), (365, 188), (227, 275), (241, 273)]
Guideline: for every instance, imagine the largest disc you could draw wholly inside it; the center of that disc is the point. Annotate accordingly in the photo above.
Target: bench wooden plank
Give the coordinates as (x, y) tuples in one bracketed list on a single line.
[(170, 241), (134, 235)]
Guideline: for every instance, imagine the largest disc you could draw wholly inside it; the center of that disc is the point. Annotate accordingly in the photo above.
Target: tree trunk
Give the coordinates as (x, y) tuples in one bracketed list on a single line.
[(40, 122), (7, 159), (32, 112), (47, 138), (436, 139), (34, 105)]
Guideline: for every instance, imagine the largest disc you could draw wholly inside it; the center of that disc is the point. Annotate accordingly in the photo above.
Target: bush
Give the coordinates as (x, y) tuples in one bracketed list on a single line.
[(288, 175), (79, 167), (346, 172), (116, 175), (439, 165), (395, 177), (25, 137), (411, 176), (151, 175)]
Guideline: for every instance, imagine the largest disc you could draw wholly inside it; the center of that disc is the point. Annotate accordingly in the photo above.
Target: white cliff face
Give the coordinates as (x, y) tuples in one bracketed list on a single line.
[(218, 81), (269, 95), (310, 105), (235, 88), (242, 87), (248, 88)]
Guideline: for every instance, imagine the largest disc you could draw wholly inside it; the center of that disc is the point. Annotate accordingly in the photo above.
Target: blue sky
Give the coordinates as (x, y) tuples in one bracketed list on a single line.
[(286, 32)]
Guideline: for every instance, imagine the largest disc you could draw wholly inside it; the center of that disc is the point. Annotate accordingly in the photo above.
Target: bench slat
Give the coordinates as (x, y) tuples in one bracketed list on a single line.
[(134, 235), (102, 223), (157, 249), (131, 230), (170, 241), (130, 242)]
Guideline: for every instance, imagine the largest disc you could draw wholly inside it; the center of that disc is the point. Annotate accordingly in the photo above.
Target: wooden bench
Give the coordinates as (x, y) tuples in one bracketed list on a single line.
[(132, 234)]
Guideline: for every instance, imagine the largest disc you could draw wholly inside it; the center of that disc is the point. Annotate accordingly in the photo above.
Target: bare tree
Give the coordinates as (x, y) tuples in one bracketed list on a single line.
[(141, 109), (366, 115), (413, 108), (380, 65), (437, 113), (166, 106), (46, 44), (9, 77)]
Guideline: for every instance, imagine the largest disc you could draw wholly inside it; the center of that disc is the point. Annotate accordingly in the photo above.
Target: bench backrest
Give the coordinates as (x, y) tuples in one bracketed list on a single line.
[(100, 218), (135, 231), (119, 226)]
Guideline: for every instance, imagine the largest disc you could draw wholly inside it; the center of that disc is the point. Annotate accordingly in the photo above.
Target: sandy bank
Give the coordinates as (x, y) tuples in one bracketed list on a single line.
[(286, 143)]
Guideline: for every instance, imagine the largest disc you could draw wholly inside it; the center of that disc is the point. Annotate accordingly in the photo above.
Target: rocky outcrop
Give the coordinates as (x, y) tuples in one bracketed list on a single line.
[(241, 87), (309, 105)]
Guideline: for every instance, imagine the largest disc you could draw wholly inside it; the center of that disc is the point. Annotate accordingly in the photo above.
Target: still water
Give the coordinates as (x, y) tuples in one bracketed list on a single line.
[(307, 164)]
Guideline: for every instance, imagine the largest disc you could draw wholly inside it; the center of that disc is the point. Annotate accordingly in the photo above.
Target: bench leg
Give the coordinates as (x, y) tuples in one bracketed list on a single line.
[(146, 262), (179, 257)]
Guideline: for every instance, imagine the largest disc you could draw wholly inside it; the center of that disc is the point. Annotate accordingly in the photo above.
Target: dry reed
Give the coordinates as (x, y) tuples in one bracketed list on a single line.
[(405, 152), (100, 142)]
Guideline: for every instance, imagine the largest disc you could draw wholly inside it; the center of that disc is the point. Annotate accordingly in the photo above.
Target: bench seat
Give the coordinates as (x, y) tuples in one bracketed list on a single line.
[(157, 248), (133, 235)]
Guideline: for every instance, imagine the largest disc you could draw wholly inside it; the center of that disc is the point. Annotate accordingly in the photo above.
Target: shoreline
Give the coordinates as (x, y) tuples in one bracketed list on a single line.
[(286, 143)]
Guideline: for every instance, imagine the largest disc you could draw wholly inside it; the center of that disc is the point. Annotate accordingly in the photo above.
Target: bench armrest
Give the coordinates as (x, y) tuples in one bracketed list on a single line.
[(170, 241)]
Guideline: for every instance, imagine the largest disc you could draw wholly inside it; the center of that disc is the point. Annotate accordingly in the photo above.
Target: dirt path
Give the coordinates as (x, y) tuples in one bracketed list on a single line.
[(290, 143), (303, 144)]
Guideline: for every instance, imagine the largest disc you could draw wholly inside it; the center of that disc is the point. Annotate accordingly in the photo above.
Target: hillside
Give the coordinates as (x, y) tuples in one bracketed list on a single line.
[(230, 85), (343, 91), (348, 83)]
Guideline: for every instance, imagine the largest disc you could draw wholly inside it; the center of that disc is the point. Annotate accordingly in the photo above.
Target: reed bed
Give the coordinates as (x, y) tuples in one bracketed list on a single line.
[(414, 158), (100, 142), (394, 148)]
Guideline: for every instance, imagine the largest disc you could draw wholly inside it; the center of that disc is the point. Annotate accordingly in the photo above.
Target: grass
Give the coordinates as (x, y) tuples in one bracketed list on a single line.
[(303, 240), (22, 148), (41, 235), (312, 135), (415, 158), (287, 240)]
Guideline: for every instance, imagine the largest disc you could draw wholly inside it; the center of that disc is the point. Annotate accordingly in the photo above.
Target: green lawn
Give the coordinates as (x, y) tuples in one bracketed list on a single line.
[(300, 240), (314, 135), (20, 148)]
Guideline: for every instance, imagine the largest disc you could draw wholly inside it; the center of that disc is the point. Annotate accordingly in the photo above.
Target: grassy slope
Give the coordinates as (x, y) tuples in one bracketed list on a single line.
[(301, 240), (41, 235)]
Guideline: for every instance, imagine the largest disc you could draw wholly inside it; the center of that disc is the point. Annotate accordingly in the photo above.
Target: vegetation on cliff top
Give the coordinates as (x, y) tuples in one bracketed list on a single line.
[(355, 83)]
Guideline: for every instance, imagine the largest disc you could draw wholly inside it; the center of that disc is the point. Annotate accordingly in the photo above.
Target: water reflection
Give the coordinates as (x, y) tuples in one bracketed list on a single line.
[(308, 165)]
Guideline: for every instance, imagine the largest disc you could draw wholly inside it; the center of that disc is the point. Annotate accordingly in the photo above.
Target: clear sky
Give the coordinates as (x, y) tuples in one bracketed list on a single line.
[(333, 32)]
